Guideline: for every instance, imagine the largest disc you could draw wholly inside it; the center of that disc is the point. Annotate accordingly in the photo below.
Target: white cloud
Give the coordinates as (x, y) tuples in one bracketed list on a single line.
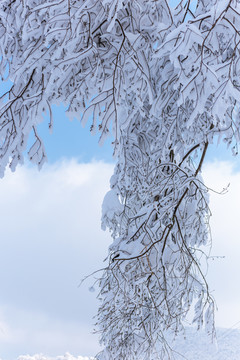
[(224, 272), (51, 239)]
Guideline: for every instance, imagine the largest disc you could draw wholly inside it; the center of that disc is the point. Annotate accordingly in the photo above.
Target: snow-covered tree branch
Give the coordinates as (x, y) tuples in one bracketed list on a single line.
[(163, 79)]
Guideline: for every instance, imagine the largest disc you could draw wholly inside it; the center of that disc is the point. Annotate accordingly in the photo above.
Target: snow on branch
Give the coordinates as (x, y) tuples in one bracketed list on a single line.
[(163, 81)]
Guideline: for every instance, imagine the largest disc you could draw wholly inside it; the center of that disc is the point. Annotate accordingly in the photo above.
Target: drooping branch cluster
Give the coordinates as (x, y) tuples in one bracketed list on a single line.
[(163, 80), (157, 210), (80, 53), (104, 58)]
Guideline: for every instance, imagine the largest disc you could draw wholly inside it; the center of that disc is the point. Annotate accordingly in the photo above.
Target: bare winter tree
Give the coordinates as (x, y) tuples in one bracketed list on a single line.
[(162, 77)]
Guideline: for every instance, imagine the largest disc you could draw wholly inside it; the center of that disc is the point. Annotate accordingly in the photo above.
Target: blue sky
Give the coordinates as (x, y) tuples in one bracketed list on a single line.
[(70, 139)]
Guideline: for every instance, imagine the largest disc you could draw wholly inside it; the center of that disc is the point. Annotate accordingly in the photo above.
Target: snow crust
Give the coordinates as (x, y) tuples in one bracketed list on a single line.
[(67, 356), (194, 346), (199, 346)]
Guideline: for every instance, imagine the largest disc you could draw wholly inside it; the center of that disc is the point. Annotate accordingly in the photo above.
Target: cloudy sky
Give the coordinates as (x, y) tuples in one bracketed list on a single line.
[(51, 239)]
